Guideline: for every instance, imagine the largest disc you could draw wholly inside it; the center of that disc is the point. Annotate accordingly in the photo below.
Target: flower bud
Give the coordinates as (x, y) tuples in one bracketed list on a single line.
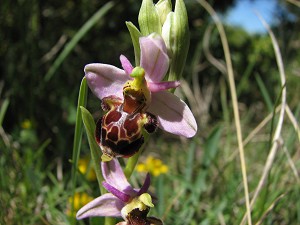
[(173, 26), (149, 20), (175, 33)]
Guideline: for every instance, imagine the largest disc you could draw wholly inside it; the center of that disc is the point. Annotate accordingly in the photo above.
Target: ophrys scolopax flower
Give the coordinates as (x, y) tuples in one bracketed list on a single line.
[(123, 200), (138, 91)]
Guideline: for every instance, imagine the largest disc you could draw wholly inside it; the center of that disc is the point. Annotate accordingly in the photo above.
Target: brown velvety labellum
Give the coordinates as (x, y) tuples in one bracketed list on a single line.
[(119, 132)]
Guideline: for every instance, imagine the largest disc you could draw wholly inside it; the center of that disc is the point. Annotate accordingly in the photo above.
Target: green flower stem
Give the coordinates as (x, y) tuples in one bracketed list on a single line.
[(132, 161), (109, 221)]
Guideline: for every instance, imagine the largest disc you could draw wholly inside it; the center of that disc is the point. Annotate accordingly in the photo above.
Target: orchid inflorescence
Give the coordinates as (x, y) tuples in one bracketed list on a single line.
[(137, 100)]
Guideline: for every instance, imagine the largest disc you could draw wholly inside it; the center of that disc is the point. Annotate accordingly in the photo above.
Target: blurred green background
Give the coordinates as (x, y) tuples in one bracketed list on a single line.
[(38, 109)]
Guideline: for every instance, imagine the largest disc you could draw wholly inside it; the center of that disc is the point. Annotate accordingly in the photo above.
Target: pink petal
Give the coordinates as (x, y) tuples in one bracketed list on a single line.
[(105, 80), (145, 186), (161, 86), (119, 194), (173, 114), (105, 205), (154, 58), (113, 175), (126, 64)]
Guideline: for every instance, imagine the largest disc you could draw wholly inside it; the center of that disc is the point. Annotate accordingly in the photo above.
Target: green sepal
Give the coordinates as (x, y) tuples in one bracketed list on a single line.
[(135, 35), (90, 127), (149, 20), (176, 34)]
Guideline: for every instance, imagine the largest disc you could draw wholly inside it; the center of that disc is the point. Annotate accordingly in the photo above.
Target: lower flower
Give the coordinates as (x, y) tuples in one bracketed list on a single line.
[(123, 200)]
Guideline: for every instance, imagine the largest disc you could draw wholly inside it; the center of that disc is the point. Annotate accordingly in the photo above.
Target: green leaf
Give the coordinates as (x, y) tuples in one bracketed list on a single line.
[(82, 99), (135, 35), (90, 127)]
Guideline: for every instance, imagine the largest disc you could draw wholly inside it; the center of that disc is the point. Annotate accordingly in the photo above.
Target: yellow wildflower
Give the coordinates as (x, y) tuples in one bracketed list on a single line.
[(152, 165), (80, 199), (26, 124), (85, 168)]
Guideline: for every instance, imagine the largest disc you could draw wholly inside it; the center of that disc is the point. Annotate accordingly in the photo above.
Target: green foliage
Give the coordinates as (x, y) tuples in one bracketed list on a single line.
[(90, 128)]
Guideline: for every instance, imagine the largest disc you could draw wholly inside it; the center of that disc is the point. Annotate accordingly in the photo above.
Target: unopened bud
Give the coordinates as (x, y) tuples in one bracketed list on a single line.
[(175, 33), (149, 20)]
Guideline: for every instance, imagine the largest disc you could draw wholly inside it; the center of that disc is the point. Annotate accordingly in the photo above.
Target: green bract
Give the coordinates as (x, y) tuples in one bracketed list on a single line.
[(173, 26), (149, 20), (163, 7), (175, 33)]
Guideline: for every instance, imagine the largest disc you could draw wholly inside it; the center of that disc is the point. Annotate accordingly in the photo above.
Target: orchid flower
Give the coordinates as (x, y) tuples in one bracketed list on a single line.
[(123, 200), (173, 115)]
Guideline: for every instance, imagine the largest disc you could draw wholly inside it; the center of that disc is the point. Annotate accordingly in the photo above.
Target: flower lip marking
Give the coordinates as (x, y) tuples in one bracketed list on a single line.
[(119, 133)]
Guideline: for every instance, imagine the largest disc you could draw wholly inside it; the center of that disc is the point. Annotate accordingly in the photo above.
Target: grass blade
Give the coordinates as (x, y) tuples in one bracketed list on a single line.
[(211, 146), (264, 93), (77, 37), (82, 99), (234, 99), (3, 109)]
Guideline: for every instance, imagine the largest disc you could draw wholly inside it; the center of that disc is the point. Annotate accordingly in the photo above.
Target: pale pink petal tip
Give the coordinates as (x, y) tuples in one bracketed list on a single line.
[(114, 175), (105, 80), (105, 205), (126, 64)]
